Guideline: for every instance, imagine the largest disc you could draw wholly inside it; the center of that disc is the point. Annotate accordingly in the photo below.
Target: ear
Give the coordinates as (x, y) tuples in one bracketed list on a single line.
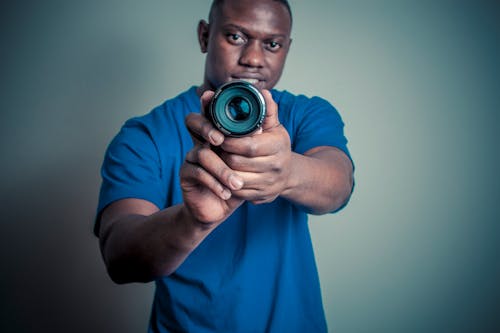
[(289, 45), (203, 28)]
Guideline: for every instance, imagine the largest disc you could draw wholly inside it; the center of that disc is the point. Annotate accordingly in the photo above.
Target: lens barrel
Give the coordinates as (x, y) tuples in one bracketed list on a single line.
[(237, 108)]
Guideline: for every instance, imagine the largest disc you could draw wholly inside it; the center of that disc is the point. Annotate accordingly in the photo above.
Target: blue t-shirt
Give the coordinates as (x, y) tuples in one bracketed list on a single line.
[(256, 272)]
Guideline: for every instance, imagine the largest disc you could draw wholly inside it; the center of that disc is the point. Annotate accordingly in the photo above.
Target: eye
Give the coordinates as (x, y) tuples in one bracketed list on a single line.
[(273, 45), (235, 39)]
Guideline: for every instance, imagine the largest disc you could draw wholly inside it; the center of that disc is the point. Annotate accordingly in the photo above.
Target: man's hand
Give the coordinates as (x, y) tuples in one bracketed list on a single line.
[(206, 180), (261, 160)]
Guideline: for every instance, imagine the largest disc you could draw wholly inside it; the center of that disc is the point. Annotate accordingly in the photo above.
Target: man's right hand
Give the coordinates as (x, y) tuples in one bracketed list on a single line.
[(206, 180), (140, 242)]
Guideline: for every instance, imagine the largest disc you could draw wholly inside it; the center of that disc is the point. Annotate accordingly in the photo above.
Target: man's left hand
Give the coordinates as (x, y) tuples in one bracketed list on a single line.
[(263, 159)]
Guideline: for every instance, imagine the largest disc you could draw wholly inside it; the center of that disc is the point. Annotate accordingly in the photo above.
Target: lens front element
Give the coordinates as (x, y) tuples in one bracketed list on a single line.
[(238, 109)]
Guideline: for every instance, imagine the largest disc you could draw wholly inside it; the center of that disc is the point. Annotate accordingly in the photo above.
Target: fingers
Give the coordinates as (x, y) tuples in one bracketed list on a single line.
[(256, 195), (248, 164), (268, 143), (204, 169), (192, 175), (205, 99), (209, 170), (200, 128), (259, 187), (271, 120)]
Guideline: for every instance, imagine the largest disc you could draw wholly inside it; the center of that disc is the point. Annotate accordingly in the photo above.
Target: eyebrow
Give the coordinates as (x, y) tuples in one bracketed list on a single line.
[(247, 33)]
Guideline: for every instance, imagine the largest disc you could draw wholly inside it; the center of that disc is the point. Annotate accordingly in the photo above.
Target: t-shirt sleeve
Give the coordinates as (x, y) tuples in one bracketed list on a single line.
[(131, 168), (318, 124)]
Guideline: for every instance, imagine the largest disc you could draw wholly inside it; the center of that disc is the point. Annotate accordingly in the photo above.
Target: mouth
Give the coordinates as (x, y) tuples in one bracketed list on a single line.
[(252, 80)]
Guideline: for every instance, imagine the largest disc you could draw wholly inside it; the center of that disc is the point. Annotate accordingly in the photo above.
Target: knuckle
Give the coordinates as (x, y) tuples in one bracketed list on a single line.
[(276, 165), (192, 155), (200, 155), (224, 174), (196, 171), (203, 155), (190, 120), (190, 172), (252, 148), (206, 127), (183, 172), (262, 200), (232, 161), (269, 181)]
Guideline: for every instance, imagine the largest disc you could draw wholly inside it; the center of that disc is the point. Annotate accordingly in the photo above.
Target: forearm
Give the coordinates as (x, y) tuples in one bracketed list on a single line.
[(320, 181), (140, 248)]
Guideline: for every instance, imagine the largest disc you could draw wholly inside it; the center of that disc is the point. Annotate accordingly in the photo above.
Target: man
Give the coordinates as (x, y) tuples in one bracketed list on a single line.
[(220, 223)]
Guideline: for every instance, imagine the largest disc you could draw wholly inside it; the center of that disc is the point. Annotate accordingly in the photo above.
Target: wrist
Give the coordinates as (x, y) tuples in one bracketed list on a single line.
[(188, 219), (187, 232), (292, 179)]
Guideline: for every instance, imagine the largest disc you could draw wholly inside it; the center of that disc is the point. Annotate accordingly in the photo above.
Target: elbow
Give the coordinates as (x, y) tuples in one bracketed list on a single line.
[(125, 268), (123, 271), (342, 197), (122, 268), (117, 272), (337, 198), (120, 277), (342, 201), (117, 277)]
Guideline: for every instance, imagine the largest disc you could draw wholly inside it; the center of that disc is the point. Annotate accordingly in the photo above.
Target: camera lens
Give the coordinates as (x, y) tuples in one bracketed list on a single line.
[(237, 108)]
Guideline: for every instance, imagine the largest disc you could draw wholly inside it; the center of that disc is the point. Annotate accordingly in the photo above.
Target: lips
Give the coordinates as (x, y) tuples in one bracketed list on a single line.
[(253, 79), (249, 77)]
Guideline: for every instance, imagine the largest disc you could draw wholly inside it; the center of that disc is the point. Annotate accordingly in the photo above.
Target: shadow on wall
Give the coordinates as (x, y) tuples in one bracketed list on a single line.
[(55, 280), (53, 138)]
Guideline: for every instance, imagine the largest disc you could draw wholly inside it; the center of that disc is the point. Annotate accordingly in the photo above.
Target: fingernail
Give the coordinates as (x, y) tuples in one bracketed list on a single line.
[(215, 137), (236, 182), (226, 194)]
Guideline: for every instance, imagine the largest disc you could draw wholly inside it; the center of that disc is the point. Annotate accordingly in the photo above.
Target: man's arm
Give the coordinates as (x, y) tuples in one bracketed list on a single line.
[(321, 180), (139, 242)]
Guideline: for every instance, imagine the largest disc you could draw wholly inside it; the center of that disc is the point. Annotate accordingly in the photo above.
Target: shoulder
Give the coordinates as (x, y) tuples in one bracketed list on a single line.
[(167, 112), (162, 128), (310, 121), (287, 99), (163, 121), (295, 109)]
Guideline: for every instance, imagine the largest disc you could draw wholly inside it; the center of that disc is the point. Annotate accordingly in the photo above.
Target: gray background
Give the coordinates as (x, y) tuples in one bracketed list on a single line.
[(417, 83)]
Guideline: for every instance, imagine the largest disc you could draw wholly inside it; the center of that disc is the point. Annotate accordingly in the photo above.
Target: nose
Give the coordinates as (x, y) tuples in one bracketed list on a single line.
[(252, 54)]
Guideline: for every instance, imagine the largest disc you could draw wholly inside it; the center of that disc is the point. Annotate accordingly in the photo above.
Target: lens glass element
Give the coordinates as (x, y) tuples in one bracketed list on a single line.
[(238, 109)]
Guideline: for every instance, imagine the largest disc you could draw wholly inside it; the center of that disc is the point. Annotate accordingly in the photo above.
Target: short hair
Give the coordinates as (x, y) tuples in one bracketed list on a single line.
[(217, 3)]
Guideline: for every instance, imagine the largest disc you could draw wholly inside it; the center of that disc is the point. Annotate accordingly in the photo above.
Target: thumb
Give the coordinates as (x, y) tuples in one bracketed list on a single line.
[(205, 99), (271, 120)]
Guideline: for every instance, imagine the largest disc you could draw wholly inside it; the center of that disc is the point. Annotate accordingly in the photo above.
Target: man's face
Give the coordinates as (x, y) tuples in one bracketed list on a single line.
[(246, 40)]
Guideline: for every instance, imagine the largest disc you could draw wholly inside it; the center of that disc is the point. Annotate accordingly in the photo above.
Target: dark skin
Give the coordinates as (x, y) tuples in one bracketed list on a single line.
[(245, 40)]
